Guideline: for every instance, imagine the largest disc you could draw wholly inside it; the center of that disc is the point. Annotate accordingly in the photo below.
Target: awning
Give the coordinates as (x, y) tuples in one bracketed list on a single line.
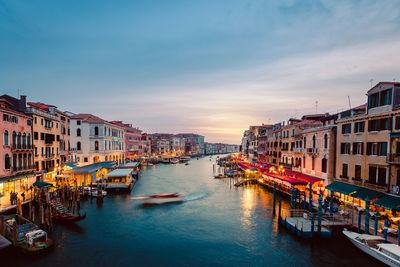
[(365, 193), (343, 188), (71, 165), (16, 177), (41, 184), (388, 202)]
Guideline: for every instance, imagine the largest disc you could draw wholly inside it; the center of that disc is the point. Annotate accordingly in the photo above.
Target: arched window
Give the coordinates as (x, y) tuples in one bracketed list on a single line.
[(28, 139), (24, 139), (78, 132), (305, 142), (78, 146), (7, 162), (96, 145), (6, 138), (96, 130), (14, 138), (326, 141), (15, 165), (313, 141), (19, 139), (106, 159), (324, 165)]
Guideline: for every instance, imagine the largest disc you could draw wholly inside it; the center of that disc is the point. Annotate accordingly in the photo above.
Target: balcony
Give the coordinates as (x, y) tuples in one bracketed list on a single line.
[(298, 150), (49, 155), (393, 158), (312, 150), (23, 168), (16, 147)]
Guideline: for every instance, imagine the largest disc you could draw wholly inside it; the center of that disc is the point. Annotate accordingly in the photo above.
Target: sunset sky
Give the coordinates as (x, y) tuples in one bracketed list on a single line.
[(210, 67)]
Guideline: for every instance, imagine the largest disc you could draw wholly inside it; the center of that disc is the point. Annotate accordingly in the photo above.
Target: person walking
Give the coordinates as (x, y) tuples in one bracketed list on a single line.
[(23, 196), (11, 197)]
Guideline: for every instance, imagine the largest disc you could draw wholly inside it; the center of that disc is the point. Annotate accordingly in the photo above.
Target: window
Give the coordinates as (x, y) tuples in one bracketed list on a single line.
[(313, 163), (344, 171), (304, 162), (6, 143), (7, 162), (377, 149), (386, 97), (78, 146), (381, 176), (313, 141), (85, 159), (78, 122), (359, 127), (326, 141), (397, 123), (35, 136), (35, 120), (29, 122), (96, 130), (357, 173), (358, 148), (345, 148), (41, 121), (41, 136), (346, 128), (305, 142), (324, 164), (379, 124), (373, 100), (78, 132), (96, 145)]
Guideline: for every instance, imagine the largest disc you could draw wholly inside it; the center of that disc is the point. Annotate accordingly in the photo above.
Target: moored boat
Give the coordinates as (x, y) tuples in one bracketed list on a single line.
[(374, 246), (65, 215), (162, 198), (30, 238), (121, 180)]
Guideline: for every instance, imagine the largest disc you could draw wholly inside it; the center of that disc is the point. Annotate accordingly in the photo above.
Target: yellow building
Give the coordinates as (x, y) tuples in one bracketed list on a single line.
[(46, 129)]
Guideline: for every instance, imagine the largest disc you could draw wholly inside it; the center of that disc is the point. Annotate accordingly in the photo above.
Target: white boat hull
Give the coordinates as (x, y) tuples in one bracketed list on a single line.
[(370, 251), (161, 200)]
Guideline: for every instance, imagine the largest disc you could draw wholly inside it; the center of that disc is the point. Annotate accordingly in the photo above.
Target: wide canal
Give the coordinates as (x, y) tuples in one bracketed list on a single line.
[(217, 224)]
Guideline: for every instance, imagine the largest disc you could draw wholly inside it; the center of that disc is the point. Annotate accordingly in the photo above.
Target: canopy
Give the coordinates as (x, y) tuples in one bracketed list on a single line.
[(365, 193), (71, 165), (130, 165), (42, 185), (120, 172), (388, 202), (343, 188)]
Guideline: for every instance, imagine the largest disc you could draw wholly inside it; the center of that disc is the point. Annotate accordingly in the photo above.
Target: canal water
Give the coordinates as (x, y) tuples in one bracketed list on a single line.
[(217, 225)]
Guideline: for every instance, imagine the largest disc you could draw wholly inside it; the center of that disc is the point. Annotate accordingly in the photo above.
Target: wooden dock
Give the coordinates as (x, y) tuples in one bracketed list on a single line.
[(302, 227)]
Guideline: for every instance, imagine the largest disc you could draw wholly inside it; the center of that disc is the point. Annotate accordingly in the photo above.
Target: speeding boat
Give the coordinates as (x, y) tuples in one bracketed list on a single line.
[(374, 246), (162, 198)]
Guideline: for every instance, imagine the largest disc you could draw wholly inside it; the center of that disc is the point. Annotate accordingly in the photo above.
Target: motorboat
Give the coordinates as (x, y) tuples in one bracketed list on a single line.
[(65, 215), (93, 191), (374, 246), (183, 159), (162, 198), (174, 161)]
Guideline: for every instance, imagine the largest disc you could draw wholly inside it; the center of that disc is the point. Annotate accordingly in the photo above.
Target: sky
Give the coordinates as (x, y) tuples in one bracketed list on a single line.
[(212, 67)]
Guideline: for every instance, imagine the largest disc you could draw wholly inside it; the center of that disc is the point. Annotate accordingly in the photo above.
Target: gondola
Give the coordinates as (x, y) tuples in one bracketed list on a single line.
[(63, 214)]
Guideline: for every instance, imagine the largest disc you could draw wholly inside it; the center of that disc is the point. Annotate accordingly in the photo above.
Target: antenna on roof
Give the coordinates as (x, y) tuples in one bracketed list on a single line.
[(370, 81), (349, 102)]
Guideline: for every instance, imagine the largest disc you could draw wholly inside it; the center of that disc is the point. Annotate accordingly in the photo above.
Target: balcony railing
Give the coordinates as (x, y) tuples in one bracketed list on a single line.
[(21, 147), (298, 150), (49, 155), (312, 150), (393, 158), (23, 168)]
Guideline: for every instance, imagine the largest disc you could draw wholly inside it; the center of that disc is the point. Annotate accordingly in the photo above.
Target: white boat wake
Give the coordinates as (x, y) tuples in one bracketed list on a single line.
[(195, 196)]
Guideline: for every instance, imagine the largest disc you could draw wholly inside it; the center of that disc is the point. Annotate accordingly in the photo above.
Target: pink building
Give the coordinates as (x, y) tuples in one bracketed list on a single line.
[(16, 149), (145, 145), (133, 138)]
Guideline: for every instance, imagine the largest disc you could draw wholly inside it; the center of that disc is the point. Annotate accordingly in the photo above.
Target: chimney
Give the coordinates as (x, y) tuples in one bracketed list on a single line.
[(22, 104)]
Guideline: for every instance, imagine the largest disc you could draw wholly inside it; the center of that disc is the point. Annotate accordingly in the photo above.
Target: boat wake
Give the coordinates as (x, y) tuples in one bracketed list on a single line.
[(195, 196)]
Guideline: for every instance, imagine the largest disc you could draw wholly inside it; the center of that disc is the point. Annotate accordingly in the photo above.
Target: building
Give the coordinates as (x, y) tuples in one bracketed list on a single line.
[(17, 171), (133, 138), (94, 139), (177, 145), (46, 129), (65, 133), (366, 138), (195, 141), (145, 145)]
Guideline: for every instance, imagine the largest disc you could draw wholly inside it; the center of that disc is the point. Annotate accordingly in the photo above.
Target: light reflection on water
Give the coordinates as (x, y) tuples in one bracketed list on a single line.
[(217, 224)]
